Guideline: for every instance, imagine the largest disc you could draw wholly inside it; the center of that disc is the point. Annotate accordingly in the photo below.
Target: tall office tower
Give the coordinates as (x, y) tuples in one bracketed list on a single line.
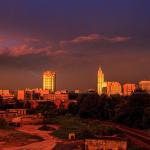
[(100, 84), (145, 85), (49, 81)]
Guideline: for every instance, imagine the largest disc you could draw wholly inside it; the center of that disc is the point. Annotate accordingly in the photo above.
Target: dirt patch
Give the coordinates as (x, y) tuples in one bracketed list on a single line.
[(72, 145), (10, 138)]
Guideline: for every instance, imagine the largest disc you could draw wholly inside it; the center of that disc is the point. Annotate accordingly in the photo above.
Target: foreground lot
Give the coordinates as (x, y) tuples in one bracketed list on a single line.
[(15, 138), (27, 138)]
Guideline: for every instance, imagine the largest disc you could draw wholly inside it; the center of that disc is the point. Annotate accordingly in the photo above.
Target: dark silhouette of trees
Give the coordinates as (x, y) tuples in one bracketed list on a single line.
[(73, 96), (133, 110), (89, 106), (35, 96), (73, 108), (1, 100), (100, 107)]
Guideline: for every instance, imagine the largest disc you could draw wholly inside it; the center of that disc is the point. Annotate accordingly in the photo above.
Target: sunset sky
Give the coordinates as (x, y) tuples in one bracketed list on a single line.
[(73, 37)]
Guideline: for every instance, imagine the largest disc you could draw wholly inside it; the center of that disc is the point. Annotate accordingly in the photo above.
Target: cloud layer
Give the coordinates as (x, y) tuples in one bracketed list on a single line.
[(95, 37), (29, 46)]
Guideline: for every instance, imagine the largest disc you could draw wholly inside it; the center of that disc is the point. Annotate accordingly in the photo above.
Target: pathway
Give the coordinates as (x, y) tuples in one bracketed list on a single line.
[(48, 143)]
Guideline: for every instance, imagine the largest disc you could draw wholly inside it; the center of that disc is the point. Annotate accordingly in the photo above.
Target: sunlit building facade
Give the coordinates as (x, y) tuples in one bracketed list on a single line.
[(100, 81), (20, 94), (128, 89), (145, 85), (58, 98), (49, 81), (114, 88), (6, 94)]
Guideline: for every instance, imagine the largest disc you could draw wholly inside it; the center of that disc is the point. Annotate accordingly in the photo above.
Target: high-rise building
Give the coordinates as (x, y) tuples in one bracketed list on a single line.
[(49, 81), (114, 88), (128, 89), (100, 83), (145, 85)]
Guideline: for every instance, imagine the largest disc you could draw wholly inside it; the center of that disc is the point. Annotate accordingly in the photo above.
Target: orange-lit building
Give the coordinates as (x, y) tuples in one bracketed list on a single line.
[(145, 85), (6, 94), (43, 92), (113, 88), (106, 143), (20, 94), (49, 81), (77, 91), (100, 81), (128, 89), (58, 98)]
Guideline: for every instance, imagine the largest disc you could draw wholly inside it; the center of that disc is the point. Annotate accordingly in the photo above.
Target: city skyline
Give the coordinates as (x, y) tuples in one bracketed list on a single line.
[(72, 38), (49, 82)]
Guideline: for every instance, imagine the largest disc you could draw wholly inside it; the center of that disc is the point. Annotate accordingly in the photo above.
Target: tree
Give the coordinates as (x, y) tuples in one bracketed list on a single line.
[(89, 106), (133, 112), (73, 96), (73, 108), (146, 118), (1, 100)]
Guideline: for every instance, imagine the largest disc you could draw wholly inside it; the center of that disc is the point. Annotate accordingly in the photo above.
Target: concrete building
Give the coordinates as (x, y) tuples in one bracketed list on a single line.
[(4, 92), (128, 89), (20, 94), (106, 143), (18, 112), (77, 91), (57, 97), (44, 92), (6, 95), (114, 88), (100, 81), (13, 116), (145, 85), (49, 81)]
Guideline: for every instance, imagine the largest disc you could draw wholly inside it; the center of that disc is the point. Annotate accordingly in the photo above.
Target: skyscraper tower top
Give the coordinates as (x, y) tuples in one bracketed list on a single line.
[(100, 69), (48, 72), (100, 81), (49, 81)]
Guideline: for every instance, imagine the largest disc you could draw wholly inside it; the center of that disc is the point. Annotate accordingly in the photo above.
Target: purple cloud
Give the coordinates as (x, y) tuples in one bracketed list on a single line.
[(26, 46), (94, 37)]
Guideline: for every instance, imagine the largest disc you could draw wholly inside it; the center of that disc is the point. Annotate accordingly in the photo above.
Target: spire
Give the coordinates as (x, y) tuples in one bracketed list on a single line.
[(100, 69)]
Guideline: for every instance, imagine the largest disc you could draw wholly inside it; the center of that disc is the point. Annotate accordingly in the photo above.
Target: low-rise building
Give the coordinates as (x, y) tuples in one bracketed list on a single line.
[(106, 143), (58, 98), (145, 85), (13, 116), (113, 88), (6, 95), (2, 114), (128, 89), (19, 112)]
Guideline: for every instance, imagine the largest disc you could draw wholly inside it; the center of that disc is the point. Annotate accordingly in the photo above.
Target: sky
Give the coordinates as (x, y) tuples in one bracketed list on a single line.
[(73, 38)]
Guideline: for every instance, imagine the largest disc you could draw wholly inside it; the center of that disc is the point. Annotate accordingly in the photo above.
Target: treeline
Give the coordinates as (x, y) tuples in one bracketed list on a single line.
[(133, 111)]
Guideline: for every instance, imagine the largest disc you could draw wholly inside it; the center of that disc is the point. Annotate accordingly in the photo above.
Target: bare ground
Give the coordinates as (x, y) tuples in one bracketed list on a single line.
[(47, 143)]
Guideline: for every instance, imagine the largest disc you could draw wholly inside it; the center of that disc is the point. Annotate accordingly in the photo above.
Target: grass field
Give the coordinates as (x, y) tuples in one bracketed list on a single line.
[(82, 128)]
